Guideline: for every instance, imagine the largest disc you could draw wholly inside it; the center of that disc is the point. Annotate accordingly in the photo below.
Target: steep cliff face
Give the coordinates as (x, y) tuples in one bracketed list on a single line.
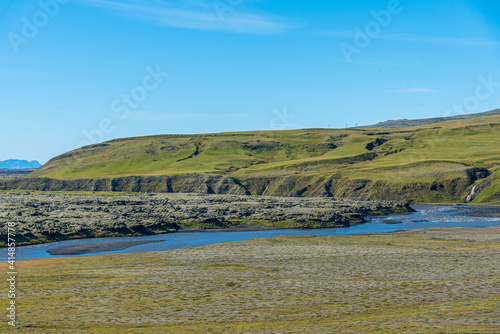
[(192, 183), (451, 190)]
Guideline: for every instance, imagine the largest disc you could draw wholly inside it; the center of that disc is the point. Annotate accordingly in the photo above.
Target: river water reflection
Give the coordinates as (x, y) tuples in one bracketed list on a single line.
[(426, 217)]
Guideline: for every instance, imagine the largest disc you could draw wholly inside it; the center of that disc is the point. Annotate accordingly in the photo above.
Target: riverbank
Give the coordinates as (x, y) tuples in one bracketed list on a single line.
[(110, 246), (96, 248), (41, 218), (443, 280), (424, 217)]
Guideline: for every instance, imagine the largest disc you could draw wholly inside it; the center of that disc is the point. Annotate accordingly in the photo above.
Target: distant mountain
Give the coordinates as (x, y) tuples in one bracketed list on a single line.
[(19, 164), (406, 123)]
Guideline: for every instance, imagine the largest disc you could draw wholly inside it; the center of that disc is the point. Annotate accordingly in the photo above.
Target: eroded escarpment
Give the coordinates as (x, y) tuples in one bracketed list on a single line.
[(436, 190)]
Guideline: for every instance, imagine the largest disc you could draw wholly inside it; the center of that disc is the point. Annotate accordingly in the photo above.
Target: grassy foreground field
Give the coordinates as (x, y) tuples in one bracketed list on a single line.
[(440, 281)]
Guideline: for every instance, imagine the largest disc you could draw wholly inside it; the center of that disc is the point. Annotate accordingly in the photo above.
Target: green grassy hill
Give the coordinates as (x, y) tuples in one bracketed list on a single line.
[(405, 123), (429, 163)]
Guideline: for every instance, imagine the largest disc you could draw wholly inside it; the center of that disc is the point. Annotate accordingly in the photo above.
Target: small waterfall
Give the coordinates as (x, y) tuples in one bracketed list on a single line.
[(265, 189), (472, 193)]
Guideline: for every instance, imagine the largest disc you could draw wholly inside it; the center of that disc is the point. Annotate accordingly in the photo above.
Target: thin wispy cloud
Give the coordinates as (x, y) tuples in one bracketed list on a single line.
[(442, 40), (460, 41), (412, 90), (196, 14)]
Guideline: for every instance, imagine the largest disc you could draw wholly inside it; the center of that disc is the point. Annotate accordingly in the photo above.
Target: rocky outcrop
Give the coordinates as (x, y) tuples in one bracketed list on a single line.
[(50, 217), (191, 183), (287, 185)]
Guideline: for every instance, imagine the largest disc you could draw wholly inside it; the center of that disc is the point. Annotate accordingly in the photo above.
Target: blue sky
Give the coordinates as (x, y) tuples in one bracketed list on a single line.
[(74, 72)]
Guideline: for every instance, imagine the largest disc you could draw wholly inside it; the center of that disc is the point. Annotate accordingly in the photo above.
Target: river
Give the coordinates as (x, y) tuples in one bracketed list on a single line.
[(426, 217)]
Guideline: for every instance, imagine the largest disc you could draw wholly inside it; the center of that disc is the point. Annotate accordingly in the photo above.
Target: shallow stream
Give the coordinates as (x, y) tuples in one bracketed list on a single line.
[(426, 217)]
